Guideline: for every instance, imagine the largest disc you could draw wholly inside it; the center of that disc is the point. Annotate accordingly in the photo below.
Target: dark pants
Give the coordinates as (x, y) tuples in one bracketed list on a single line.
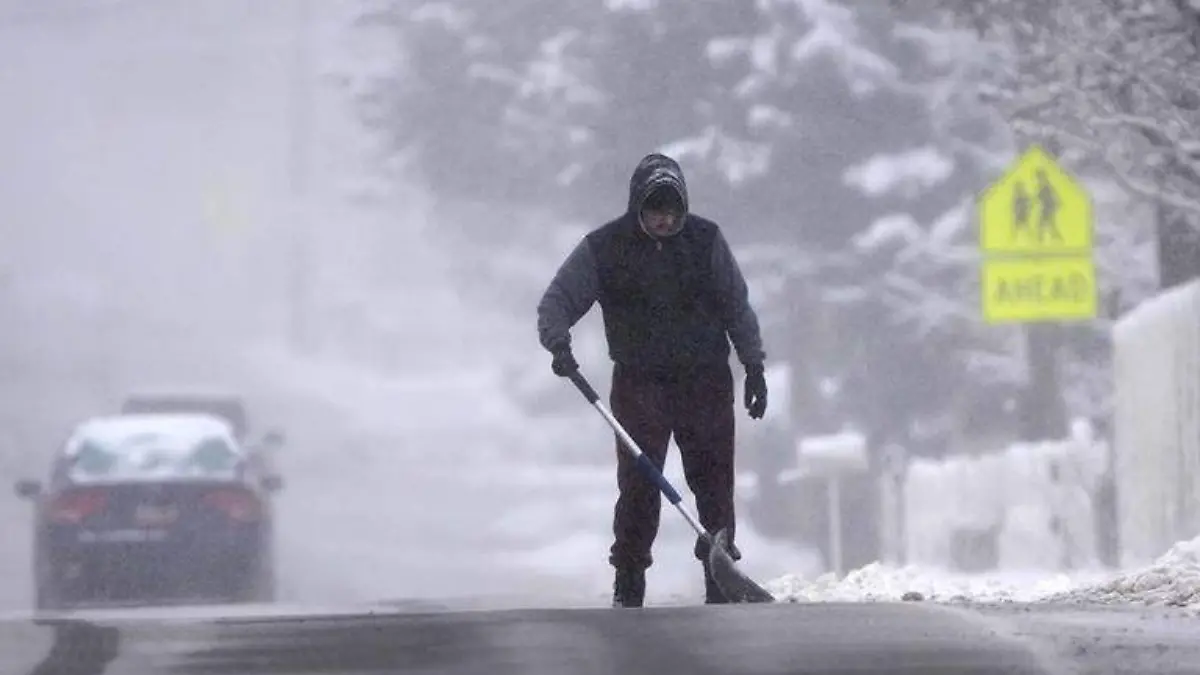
[(697, 407)]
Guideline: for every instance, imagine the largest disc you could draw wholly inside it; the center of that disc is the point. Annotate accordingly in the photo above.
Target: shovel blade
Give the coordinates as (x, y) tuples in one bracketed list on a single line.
[(737, 587)]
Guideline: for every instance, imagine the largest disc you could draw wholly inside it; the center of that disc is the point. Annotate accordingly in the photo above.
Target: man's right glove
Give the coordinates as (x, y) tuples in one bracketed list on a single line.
[(564, 361), (755, 394)]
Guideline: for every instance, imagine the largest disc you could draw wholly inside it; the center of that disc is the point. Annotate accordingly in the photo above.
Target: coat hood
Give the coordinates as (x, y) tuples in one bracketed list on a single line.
[(654, 171)]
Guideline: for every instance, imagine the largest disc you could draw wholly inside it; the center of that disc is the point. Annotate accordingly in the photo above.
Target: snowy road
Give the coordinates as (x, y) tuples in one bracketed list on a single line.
[(354, 491), (388, 472), (860, 638), (389, 496)]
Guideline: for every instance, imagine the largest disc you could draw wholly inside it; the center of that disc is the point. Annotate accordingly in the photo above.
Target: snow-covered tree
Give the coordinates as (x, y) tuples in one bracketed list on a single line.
[(1114, 82), (841, 144), (551, 104), (1109, 88)]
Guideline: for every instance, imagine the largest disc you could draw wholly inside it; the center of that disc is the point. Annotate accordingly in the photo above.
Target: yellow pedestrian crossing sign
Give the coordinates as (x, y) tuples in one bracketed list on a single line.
[(1035, 234), (1036, 207)]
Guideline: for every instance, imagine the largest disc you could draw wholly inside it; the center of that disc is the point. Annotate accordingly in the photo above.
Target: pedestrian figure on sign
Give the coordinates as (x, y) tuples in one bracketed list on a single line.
[(1022, 206), (673, 298), (1048, 200)]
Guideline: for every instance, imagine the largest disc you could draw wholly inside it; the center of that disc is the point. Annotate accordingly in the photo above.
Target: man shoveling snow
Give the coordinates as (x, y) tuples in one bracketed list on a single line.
[(672, 297)]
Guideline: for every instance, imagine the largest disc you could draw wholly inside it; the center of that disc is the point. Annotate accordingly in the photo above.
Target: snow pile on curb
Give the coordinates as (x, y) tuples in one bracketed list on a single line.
[(1173, 579), (880, 583)]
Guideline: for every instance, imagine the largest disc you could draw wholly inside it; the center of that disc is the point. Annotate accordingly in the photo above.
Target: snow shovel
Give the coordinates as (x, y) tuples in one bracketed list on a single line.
[(737, 587)]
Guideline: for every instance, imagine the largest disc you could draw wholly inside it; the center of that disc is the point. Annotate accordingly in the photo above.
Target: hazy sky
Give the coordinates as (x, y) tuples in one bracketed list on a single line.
[(148, 147)]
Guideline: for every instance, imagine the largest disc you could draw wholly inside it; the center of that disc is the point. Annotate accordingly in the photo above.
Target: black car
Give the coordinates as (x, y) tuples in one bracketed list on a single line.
[(142, 509)]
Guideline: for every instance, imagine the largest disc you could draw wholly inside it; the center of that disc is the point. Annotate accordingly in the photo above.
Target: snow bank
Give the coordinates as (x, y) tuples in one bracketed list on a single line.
[(882, 583), (1172, 579)]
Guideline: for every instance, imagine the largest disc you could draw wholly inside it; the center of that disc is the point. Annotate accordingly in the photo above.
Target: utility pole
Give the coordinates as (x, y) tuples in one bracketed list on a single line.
[(299, 255), (1043, 411)]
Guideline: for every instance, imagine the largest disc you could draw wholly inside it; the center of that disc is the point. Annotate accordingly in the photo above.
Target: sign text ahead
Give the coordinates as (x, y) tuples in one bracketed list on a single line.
[(1049, 289)]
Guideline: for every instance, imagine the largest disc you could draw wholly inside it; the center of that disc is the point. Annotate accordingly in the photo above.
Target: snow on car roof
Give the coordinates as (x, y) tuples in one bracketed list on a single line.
[(152, 446), (179, 430)]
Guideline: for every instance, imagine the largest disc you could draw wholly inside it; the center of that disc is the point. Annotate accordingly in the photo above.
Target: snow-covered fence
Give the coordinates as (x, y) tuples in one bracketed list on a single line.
[(1033, 502), (1157, 423)]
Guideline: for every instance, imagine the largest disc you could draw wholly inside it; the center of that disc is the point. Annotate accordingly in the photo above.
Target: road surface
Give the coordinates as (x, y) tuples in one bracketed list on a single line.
[(859, 638)]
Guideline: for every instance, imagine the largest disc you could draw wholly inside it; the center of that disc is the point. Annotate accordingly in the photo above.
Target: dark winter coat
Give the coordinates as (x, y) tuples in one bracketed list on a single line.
[(668, 304)]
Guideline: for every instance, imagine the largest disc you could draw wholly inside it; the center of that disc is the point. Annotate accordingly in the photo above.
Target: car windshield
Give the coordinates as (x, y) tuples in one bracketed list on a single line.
[(155, 454)]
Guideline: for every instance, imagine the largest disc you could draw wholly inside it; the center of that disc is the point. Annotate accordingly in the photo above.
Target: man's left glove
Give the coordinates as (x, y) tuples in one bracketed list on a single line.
[(564, 361), (755, 395)]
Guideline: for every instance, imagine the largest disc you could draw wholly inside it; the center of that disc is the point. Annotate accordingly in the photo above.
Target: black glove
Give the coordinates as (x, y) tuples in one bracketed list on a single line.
[(755, 396), (564, 361)]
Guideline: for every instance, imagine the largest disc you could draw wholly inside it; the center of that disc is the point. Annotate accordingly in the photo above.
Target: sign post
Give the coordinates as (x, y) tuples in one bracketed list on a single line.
[(1035, 237), (1038, 269)]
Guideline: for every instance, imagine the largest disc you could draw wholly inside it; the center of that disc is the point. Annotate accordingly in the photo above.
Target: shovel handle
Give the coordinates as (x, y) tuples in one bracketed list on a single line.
[(584, 386)]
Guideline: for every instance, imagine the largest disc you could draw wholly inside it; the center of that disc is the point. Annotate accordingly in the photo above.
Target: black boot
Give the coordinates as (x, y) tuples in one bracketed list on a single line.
[(629, 587), (712, 592)]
